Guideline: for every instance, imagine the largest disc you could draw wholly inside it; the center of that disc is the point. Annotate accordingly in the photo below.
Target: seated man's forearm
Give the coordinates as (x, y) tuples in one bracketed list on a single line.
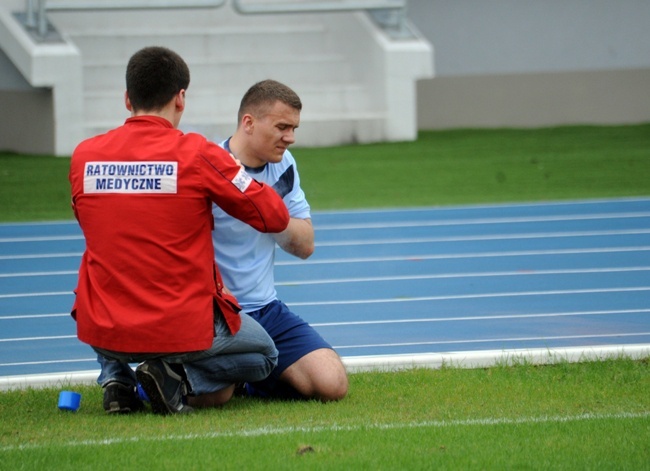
[(298, 238)]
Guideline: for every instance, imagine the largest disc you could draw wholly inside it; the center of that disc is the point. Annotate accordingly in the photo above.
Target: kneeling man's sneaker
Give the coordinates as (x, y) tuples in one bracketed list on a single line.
[(121, 398), (164, 388)]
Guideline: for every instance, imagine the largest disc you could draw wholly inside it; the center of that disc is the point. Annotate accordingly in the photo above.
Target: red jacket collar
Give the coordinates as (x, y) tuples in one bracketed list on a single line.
[(149, 120)]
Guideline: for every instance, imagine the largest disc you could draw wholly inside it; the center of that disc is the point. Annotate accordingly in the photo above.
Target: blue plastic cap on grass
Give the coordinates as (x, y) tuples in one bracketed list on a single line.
[(69, 400)]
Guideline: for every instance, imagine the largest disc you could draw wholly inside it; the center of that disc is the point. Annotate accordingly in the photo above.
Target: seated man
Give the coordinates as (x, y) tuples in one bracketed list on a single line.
[(308, 367), (149, 290)]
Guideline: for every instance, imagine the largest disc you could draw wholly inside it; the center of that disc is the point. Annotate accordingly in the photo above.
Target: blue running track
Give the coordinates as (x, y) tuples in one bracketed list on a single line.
[(391, 284)]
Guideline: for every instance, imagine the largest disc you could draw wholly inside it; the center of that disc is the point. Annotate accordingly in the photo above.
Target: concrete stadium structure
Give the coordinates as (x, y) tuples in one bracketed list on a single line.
[(365, 74)]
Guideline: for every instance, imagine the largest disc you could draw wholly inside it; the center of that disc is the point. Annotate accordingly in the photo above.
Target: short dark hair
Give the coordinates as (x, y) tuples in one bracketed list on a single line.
[(153, 76), (263, 95)]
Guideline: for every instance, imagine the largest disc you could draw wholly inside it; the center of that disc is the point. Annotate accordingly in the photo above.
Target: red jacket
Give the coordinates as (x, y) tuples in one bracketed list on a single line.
[(142, 194)]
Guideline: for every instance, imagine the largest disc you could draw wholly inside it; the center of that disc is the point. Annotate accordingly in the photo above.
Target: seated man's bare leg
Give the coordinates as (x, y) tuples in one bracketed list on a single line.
[(319, 374), (215, 399)]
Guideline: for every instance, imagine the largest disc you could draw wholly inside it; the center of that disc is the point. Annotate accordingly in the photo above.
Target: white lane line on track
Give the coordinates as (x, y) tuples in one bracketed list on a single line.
[(473, 296), (40, 273), (33, 316), (519, 253), (330, 428), (564, 271), (29, 295), (642, 248), (480, 221), (404, 321), (491, 340), (401, 224), (407, 344), (538, 235), (13, 240), (49, 362), (463, 275), (535, 235), (399, 300), (482, 318), (41, 255), (34, 339)]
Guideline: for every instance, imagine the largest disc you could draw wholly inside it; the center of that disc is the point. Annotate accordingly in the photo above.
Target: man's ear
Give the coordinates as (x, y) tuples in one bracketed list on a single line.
[(247, 123), (180, 100), (127, 102)]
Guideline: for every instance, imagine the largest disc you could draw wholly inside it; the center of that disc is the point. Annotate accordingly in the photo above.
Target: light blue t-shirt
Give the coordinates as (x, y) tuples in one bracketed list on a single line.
[(245, 256)]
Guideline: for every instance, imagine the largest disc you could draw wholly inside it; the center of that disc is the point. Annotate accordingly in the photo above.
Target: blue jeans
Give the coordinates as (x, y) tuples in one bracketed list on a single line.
[(248, 356)]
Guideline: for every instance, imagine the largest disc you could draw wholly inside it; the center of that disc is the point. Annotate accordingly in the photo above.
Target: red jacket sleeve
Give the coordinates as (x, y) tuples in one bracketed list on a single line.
[(238, 194)]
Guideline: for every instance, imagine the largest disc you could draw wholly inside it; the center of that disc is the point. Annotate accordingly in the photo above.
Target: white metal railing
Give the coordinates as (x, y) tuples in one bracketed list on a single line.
[(255, 7), (130, 4), (36, 10), (35, 17), (390, 15)]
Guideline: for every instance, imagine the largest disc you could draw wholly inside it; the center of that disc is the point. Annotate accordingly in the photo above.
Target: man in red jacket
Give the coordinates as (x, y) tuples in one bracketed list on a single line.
[(149, 290)]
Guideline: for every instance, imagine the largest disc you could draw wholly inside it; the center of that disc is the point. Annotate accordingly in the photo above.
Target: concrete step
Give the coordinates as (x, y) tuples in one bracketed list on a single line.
[(315, 69), (119, 20), (218, 107), (228, 43), (226, 54)]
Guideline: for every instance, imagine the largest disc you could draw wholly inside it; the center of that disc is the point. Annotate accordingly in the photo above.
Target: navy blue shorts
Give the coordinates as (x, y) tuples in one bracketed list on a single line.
[(293, 337)]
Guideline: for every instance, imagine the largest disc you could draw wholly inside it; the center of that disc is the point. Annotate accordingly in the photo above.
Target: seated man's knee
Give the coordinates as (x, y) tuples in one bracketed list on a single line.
[(320, 375), (334, 387)]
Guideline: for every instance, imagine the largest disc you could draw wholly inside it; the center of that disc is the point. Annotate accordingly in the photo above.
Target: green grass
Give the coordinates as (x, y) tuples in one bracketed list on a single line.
[(440, 168), (566, 416), (481, 166), (34, 188)]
